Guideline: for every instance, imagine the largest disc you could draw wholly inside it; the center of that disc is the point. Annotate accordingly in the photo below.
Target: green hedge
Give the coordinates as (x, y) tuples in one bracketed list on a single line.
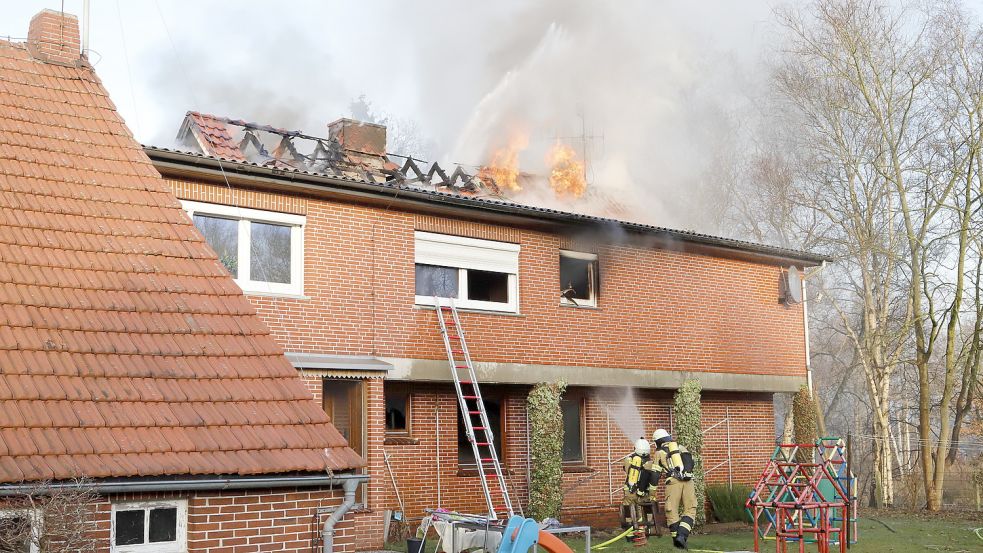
[(728, 503)]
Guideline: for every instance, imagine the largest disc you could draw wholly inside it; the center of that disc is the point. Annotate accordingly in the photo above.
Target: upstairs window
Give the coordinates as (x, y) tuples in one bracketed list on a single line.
[(263, 250), (149, 527), (478, 274), (578, 279)]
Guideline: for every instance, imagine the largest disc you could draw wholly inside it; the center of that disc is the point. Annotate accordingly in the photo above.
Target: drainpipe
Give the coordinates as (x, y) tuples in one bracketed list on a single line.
[(327, 535)]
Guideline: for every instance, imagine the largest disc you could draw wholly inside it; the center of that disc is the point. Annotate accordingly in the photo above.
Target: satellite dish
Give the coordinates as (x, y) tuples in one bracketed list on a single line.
[(793, 286)]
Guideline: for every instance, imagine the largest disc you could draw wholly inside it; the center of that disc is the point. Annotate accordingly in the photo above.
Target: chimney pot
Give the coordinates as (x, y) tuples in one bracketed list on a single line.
[(53, 37), (369, 138)]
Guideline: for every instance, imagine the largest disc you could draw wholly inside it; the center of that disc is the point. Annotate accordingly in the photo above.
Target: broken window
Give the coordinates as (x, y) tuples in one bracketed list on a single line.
[(262, 250), (479, 274), (397, 410), (488, 286), (157, 526), (572, 409), (578, 278), (465, 453)]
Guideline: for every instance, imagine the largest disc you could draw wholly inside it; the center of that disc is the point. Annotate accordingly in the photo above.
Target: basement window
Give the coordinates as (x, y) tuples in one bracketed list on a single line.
[(477, 274), (262, 250), (149, 527), (20, 530), (397, 410), (578, 279), (465, 453)]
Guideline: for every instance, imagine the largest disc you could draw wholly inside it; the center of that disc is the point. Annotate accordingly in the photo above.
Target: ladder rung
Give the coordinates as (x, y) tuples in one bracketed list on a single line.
[(460, 366), (470, 397), (480, 428), (486, 444), (487, 459), (466, 382), (458, 351), (474, 412), (454, 336)]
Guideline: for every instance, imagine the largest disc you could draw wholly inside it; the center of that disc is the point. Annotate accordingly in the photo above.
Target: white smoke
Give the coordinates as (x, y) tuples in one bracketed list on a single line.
[(661, 86)]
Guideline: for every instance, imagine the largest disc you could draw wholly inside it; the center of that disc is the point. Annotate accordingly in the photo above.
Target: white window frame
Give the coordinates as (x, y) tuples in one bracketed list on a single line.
[(464, 254), (37, 521), (592, 301), (180, 545), (245, 216)]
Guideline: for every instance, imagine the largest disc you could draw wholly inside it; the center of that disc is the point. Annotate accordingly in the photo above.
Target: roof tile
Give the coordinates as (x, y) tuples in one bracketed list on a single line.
[(126, 349)]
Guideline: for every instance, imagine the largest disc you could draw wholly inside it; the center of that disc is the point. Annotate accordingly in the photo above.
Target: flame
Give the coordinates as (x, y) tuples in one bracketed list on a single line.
[(566, 172), (504, 165)]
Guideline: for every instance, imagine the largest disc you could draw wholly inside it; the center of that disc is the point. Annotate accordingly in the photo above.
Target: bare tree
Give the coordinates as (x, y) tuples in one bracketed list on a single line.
[(887, 106), (52, 519)]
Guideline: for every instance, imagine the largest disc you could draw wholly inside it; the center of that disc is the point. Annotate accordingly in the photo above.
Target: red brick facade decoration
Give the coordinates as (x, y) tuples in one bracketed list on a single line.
[(659, 310)]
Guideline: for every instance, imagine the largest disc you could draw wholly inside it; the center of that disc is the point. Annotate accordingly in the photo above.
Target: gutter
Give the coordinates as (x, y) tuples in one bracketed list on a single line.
[(220, 169), (205, 484)]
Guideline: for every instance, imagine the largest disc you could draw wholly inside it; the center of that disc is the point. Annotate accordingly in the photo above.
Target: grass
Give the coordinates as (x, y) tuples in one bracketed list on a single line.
[(928, 534)]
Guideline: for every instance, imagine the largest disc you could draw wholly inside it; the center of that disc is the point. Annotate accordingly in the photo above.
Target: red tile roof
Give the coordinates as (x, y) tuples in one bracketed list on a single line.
[(125, 347)]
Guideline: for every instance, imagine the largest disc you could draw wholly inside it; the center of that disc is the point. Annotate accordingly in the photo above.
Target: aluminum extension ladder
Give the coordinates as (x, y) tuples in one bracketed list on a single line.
[(480, 433)]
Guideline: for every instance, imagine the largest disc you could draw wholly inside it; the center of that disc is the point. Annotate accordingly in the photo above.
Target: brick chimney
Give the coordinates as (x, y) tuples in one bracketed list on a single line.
[(369, 138), (53, 37)]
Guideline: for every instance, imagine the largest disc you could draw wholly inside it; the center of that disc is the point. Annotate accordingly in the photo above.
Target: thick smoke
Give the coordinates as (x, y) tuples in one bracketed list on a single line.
[(662, 87)]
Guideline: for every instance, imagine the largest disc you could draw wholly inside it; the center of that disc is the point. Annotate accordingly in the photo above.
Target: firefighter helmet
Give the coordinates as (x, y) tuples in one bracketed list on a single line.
[(660, 435), (642, 447)]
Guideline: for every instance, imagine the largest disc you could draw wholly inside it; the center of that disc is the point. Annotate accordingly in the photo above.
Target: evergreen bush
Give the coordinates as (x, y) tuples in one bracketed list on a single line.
[(546, 450), (804, 422), (689, 434), (728, 502)]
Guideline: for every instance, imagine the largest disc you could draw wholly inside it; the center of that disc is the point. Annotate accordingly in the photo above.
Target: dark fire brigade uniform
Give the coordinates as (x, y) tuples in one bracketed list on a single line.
[(675, 463)]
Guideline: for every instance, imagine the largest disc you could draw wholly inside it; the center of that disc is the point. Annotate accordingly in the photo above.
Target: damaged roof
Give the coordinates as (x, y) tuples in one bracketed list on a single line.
[(249, 144), (125, 347)]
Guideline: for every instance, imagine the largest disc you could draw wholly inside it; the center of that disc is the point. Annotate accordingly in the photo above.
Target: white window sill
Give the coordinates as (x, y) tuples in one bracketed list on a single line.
[(472, 310), (568, 304), (282, 295)]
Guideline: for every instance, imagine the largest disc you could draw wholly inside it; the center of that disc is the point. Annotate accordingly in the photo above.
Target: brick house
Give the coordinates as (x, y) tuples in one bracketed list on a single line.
[(364, 239), (128, 356)]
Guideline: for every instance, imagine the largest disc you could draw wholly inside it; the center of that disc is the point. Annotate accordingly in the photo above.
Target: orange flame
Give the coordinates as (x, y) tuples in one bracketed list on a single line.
[(504, 165), (566, 172)]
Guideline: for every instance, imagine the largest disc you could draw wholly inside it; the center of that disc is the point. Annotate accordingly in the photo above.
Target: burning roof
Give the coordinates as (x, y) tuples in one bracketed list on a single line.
[(352, 149), (357, 150)]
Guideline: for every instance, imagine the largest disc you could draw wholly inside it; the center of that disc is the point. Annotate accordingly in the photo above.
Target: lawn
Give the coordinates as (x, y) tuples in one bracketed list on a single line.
[(911, 533)]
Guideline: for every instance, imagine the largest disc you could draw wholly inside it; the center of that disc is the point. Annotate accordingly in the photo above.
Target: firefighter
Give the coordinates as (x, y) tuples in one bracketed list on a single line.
[(638, 481), (675, 463)]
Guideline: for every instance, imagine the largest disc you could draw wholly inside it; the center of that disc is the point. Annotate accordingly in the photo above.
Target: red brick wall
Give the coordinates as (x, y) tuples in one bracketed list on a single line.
[(244, 521), (659, 309), (588, 489)]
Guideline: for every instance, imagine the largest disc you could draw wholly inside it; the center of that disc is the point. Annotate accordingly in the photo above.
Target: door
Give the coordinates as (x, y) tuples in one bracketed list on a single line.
[(343, 401)]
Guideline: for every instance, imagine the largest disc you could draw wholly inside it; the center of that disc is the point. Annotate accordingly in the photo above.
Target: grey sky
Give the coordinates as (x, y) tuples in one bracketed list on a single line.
[(663, 81)]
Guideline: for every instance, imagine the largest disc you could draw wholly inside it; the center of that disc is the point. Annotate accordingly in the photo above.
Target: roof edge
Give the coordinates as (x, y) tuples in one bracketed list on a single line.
[(192, 484), (224, 167)]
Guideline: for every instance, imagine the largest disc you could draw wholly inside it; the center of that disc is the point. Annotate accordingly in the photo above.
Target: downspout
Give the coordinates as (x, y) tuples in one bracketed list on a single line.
[(327, 535)]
